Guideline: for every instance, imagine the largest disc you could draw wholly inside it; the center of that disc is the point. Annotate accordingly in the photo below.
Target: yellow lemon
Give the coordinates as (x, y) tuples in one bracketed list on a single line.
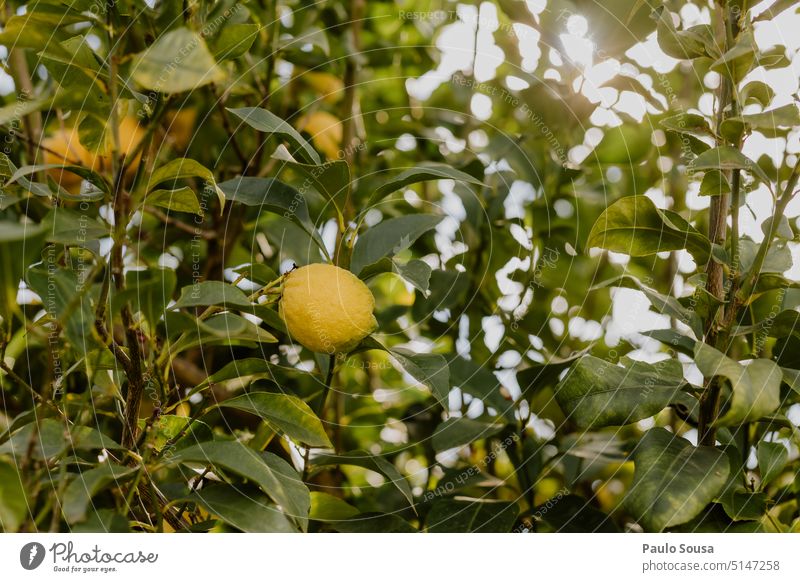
[(330, 87), (325, 131), (327, 309), (180, 127), (63, 147)]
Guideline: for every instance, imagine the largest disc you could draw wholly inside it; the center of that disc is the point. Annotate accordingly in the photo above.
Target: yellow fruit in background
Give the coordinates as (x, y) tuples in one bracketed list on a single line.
[(63, 147), (180, 127), (327, 309), (325, 131), (330, 87)]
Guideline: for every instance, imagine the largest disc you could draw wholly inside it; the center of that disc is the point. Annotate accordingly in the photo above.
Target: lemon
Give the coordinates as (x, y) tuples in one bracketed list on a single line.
[(325, 130), (63, 147), (327, 309), (330, 87)]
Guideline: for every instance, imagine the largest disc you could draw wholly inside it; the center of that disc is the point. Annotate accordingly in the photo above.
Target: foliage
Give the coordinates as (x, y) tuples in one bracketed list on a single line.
[(167, 163)]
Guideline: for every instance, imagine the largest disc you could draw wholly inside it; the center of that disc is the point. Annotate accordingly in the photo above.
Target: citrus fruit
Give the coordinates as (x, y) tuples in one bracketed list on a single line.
[(327, 309)]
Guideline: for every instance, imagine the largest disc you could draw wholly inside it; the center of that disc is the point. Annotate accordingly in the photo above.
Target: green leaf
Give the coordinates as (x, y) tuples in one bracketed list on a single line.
[(688, 123), (181, 168), (777, 8), (273, 196), (457, 432), (72, 227), (207, 293), (148, 292), (573, 514), (67, 300), (792, 378), (13, 501), (755, 386), (542, 375), (178, 200), (422, 173), (692, 43), (331, 179), (727, 158), (177, 61), (464, 515), (53, 438), (246, 510), (757, 91), (20, 245), (257, 272), (772, 458), (714, 184), (327, 508), (169, 427), (28, 31), (233, 41), (596, 393), (284, 412), (12, 112), (223, 329), (738, 60), (248, 367), (673, 481), (625, 145), (373, 463), (87, 484), (390, 237), (769, 122), (103, 521), (271, 473), (263, 120), (374, 523), (430, 370), (634, 226), (90, 176), (477, 380)]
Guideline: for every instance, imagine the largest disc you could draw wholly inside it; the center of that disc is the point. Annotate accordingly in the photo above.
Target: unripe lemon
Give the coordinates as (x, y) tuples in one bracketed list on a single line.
[(327, 309)]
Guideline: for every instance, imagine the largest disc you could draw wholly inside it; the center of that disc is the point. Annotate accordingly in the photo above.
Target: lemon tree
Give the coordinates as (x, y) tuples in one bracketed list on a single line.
[(364, 266)]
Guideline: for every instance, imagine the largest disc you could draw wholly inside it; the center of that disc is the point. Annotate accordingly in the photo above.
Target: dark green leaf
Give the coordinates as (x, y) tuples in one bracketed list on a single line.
[(634, 226), (13, 501), (673, 481), (373, 463), (573, 514), (53, 438), (463, 515), (390, 237), (233, 41), (596, 393), (772, 458), (727, 158), (430, 370), (271, 473), (87, 484), (456, 432), (245, 509)]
